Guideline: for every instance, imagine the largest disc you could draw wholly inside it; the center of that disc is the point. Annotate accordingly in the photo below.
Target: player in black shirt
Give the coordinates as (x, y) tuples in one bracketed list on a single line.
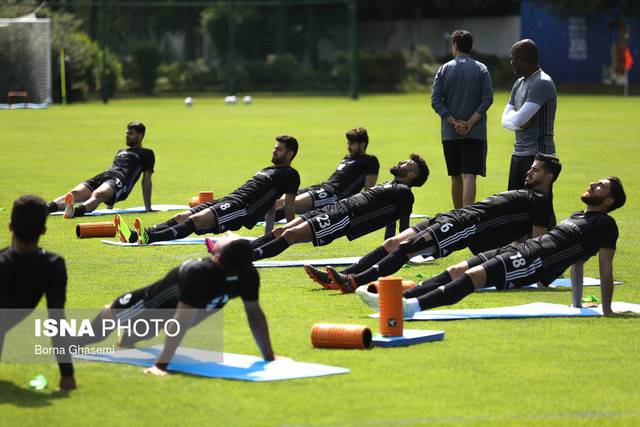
[(243, 208), (493, 222), (355, 216), (541, 259), (28, 272), (116, 183), (358, 170), (191, 292)]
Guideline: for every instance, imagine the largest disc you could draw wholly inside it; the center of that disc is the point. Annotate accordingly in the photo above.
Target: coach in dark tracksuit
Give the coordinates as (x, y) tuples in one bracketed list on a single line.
[(461, 95)]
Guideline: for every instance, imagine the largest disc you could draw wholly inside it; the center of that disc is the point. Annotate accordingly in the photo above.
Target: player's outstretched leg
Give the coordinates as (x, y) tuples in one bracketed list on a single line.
[(68, 205), (320, 277), (448, 294), (123, 231)]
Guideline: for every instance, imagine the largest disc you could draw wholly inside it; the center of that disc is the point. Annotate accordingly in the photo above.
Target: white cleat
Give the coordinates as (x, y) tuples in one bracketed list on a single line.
[(368, 298)]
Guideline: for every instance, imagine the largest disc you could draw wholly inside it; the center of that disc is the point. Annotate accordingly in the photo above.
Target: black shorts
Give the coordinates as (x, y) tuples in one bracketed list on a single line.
[(468, 156), (447, 235), (120, 191), (161, 295), (518, 169), (508, 268), (321, 196), (328, 224), (231, 214), (423, 225)]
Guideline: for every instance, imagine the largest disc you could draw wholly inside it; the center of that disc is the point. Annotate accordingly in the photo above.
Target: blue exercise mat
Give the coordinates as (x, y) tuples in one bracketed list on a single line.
[(206, 363), (536, 309), (137, 209), (409, 337), (558, 283)]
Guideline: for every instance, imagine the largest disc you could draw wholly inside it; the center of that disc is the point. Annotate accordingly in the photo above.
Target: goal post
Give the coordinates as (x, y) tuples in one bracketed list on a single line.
[(25, 62)]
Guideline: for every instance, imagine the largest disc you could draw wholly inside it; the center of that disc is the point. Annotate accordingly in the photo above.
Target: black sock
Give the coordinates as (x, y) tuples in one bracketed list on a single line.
[(271, 249), (79, 210), (279, 214), (448, 294), (429, 285), (262, 240), (171, 223), (366, 261), (385, 267), (178, 232), (52, 207)]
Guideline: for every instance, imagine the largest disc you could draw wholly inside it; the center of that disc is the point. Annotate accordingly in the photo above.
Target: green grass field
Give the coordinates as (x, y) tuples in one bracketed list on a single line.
[(487, 372)]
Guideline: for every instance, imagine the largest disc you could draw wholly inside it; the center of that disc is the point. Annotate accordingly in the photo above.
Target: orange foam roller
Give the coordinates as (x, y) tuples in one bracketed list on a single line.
[(390, 302), (340, 335), (406, 285), (95, 229), (205, 196), (194, 201)]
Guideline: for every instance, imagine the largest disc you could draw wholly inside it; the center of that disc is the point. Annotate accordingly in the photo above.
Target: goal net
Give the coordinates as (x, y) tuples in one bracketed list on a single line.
[(25, 62)]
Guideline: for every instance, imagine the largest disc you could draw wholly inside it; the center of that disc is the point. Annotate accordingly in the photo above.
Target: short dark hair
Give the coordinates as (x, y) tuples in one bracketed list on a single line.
[(616, 190), (236, 256), (527, 50), (290, 142), (358, 135), (463, 39), (551, 164), (138, 127), (423, 169), (28, 218)]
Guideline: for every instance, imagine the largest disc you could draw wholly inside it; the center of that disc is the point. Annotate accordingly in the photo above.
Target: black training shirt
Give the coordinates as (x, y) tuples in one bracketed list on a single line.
[(131, 162), (350, 174)]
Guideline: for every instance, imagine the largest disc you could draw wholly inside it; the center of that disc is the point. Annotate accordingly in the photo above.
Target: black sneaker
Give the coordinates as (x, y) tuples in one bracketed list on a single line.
[(345, 282)]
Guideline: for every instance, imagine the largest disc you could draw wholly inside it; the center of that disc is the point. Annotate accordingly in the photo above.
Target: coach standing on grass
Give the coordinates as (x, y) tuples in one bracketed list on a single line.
[(530, 112), (462, 93)]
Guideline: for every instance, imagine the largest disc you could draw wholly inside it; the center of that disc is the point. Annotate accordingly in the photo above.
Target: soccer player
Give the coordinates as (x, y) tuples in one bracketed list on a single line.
[(356, 171), (541, 259), (530, 112), (493, 222), (461, 95), (27, 272), (191, 291), (243, 208), (355, 216), (115, 184)]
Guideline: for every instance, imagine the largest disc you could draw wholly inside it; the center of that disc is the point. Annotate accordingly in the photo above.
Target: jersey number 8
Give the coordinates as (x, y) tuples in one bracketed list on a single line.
[(225, 206), (517, 261)]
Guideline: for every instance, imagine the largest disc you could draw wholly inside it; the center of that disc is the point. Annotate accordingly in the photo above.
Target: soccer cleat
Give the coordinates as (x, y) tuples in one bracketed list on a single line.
[(408, 309), (68, 205), (122, 229), (368, 298), (211, 245), (143, 236), (346, 283), (320, 277)]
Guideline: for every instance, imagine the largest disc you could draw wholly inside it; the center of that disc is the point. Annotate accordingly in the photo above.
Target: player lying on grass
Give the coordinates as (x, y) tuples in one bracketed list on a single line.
[(355, 216), (356, 171), (192, 291), (541, 259), (491, 223), (116, 183), (28, 272), (243, 208)]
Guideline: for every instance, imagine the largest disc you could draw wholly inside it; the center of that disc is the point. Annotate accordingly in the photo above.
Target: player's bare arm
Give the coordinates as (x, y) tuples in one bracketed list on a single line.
[(577, 275), (259, 328), (605, 258), (146, 189)]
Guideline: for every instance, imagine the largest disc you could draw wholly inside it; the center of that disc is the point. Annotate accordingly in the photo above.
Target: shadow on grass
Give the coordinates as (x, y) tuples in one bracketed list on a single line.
[(12, 394)]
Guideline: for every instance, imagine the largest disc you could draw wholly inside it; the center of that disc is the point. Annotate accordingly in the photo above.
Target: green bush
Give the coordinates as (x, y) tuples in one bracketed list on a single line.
[(191, 75)]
